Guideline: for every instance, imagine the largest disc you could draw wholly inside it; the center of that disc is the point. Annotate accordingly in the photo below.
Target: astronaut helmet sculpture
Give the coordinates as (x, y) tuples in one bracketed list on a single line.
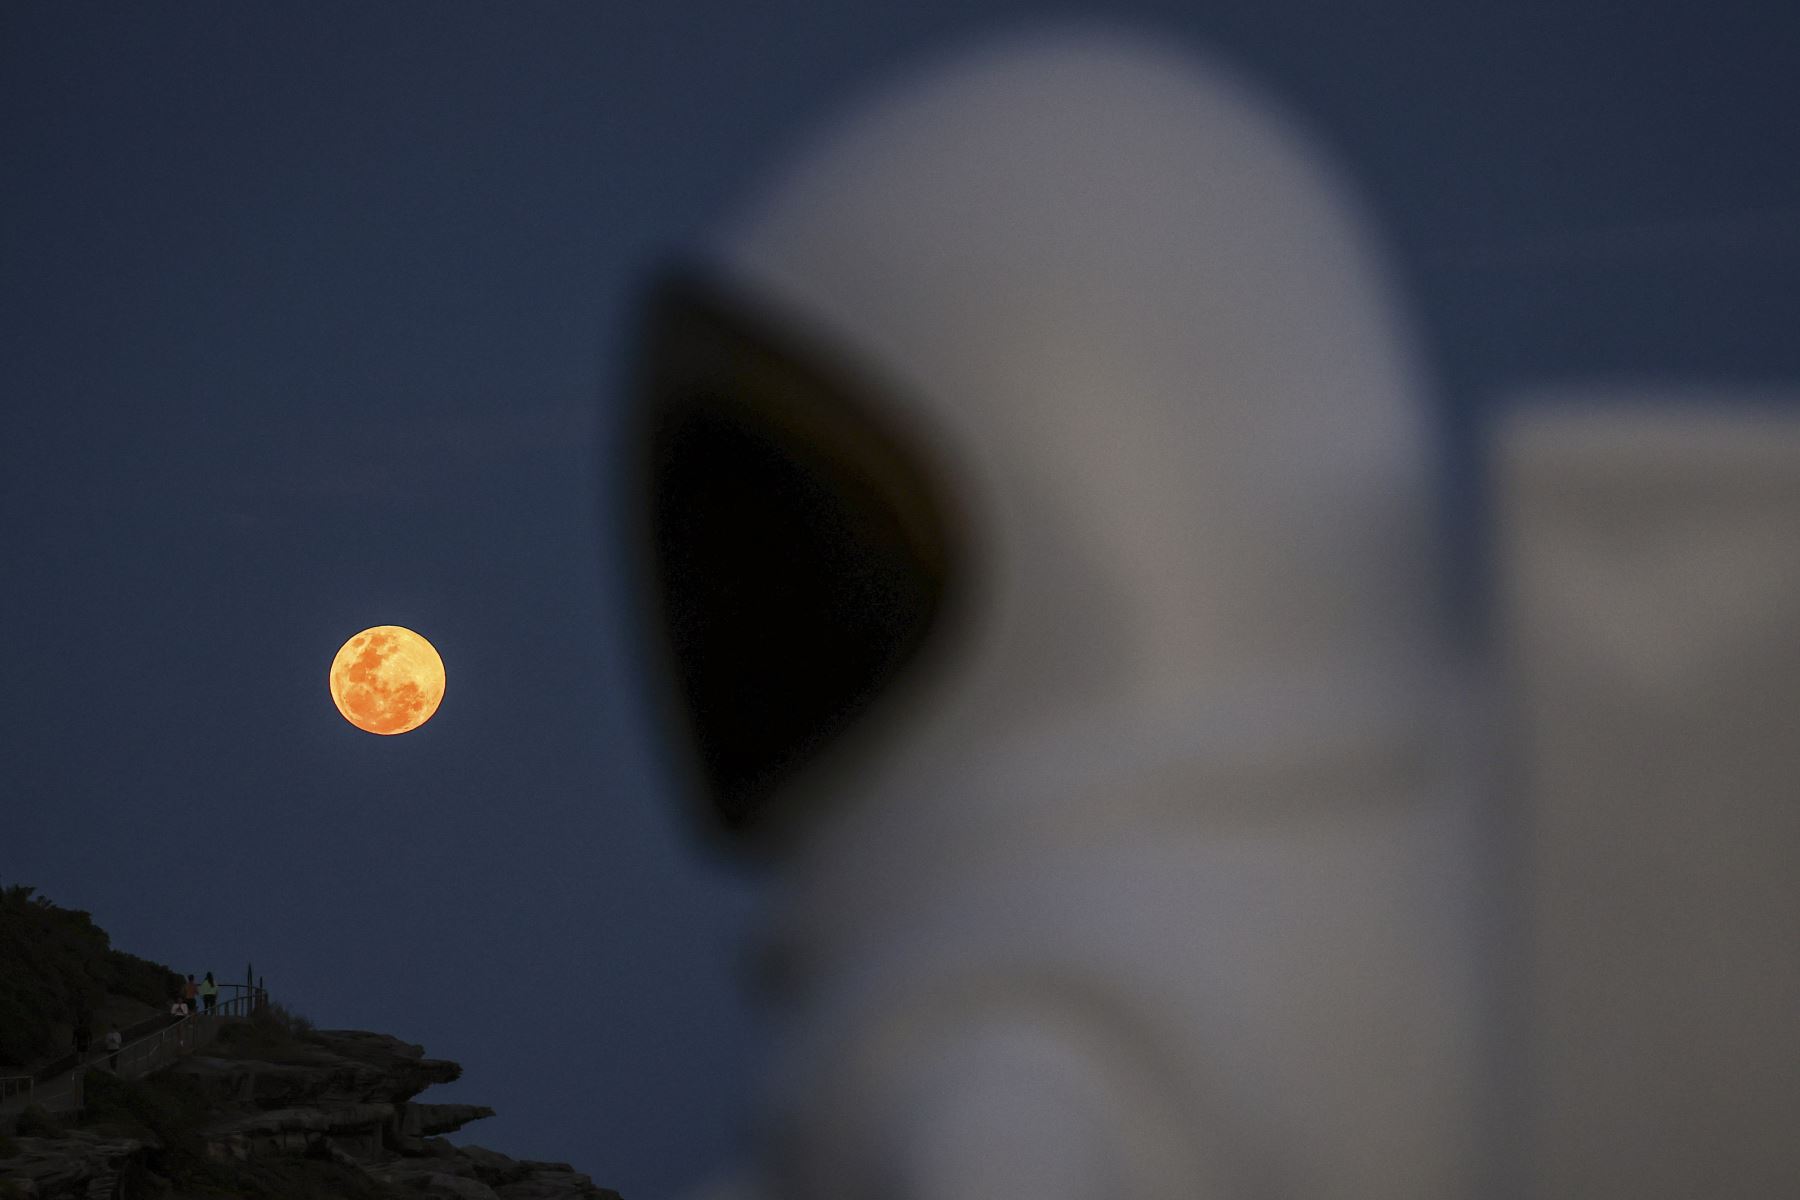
[(1037, 498)]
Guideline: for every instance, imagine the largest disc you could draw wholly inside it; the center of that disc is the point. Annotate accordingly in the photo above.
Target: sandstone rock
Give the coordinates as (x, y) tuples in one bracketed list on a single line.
[(84, 1165), (498, 1175), (342, 1096), (338, 1068), (495, 1169), (405, 1172), (426, 1174), (312, 1120), (354, 1130), (462, 1187), (427, 1120), (554, 1181)]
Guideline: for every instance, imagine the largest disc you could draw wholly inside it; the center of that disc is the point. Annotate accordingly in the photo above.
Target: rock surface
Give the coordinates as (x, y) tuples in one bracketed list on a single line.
[(330, 1068), (77, 1164), (340, 1098), (477, 1173)]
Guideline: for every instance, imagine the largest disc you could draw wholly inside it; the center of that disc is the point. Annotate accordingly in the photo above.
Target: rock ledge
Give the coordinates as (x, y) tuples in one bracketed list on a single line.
[(341, 1097)]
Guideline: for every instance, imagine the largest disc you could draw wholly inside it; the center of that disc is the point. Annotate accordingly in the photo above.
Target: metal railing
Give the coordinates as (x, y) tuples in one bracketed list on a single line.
[(65, 1095), (12, 1088), (242, 1002)]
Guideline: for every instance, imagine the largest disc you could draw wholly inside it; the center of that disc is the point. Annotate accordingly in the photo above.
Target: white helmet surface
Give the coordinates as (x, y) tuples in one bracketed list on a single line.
[(1071, 641)]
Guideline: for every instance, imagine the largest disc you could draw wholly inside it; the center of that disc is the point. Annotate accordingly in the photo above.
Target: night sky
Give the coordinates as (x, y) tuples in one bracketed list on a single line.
[(318, 317)]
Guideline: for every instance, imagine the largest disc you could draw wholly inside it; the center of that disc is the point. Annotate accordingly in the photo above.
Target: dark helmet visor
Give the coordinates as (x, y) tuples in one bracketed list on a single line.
[(798, 553)]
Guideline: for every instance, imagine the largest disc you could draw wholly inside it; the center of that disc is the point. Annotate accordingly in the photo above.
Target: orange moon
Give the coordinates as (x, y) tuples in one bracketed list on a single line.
[(387, 679)]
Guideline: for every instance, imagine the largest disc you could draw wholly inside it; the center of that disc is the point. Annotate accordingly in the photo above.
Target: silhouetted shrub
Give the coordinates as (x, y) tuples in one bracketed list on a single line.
[(270, 1032), (36, 1121), (56, 963), (277, 1016)]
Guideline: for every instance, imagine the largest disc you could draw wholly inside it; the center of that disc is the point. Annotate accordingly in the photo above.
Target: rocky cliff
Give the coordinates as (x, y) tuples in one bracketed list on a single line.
[(274, 1111)]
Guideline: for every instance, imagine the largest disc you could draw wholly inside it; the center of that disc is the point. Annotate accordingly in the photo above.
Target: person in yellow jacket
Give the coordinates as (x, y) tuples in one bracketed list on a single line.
[(209, 992)]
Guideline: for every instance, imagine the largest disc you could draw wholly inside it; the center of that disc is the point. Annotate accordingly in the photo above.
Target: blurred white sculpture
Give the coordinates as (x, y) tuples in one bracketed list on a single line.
[(1149, 886), (1651, 572), (1128, 849)]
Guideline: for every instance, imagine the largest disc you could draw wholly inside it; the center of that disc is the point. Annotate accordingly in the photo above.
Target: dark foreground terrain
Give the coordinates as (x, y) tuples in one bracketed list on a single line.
[(269, 1108)]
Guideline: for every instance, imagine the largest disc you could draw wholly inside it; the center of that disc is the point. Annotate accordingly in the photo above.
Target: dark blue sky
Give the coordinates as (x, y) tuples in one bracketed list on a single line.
[(312, 318)]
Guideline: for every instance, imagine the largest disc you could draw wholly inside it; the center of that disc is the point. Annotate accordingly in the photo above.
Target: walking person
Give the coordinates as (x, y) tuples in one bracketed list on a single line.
[(209, 993), (190, 994), (113, 1042)]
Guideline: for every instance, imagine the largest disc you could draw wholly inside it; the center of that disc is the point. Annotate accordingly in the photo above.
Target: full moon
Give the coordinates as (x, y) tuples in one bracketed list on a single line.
[(387, 679)]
